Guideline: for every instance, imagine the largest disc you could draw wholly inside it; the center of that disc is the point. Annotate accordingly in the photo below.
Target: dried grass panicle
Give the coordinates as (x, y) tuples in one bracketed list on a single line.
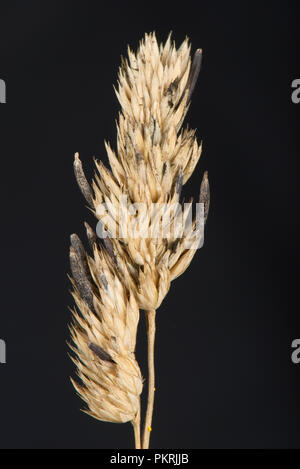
[(104, 336), (154, 158)]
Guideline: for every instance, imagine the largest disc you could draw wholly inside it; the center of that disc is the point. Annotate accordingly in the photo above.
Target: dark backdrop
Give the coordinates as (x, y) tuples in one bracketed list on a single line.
[(235, 311)]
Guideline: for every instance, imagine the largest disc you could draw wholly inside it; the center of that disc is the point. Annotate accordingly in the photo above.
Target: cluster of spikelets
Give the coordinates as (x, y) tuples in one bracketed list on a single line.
[(123, 274), (104, 336)]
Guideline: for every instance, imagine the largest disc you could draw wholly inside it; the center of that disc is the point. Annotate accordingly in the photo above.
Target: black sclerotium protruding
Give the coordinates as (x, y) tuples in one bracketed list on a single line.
[(91, 235), (179, 182), (82, 282), (164, 168), (80, 253), (172, 87), (82, 181), (177, 185), (100, 352), (171, 91), (193, 76), (205, 195)]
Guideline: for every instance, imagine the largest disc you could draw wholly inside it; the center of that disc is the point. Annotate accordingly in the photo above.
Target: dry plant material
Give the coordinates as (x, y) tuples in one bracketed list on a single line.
[(133, 267)]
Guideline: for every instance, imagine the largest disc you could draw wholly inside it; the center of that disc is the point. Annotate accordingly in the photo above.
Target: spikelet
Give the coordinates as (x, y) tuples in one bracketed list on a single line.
[(104, 336)]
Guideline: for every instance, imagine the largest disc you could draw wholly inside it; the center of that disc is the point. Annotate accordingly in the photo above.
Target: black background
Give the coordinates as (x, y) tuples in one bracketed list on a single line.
[(225, 378)]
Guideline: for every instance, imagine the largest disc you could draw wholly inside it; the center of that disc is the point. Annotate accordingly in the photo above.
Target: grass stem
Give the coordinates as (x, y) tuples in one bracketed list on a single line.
[(150, 316)]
